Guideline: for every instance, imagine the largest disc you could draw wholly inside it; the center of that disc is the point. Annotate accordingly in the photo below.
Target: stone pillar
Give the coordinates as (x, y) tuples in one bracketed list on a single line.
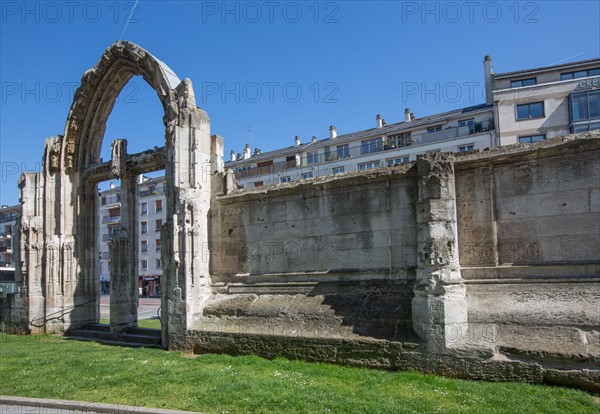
[(29, 269), (123, 248), (439, 307), (186, 280)]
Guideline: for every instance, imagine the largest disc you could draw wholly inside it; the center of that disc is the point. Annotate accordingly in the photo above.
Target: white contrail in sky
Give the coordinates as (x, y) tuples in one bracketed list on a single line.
[(129, 18), (571, 57)]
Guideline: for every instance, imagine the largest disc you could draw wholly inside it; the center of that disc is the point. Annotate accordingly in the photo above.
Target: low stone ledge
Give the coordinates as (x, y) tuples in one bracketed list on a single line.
[(388, 355)]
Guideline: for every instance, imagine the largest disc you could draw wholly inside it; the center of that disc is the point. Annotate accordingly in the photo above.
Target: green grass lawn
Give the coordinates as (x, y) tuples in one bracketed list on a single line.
[(53, 367)]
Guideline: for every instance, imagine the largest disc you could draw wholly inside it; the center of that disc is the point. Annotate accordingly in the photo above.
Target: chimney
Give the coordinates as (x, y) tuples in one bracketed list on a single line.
[(313, 139), (379, 121), (489, 79), (408, 116), (297, 140), (232, 156), (256, 151), (332, 132), (247, 151)]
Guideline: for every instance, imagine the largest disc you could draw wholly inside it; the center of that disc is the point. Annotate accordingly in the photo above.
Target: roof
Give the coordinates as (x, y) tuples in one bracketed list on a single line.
[(366, 133), (572, 65)]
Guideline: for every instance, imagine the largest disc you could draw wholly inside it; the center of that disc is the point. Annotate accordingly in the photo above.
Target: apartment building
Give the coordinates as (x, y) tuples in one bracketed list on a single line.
[(9, 216), (8, 222), (465, 129), (149, 220), (535, 104), (521, 107)]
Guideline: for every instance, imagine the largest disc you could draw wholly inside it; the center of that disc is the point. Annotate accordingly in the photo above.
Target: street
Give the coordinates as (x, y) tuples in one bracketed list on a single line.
[(147, 308)]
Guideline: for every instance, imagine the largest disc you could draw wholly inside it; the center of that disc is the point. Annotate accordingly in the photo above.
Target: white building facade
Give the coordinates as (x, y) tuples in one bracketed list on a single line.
[(536, 104), (150, 218)]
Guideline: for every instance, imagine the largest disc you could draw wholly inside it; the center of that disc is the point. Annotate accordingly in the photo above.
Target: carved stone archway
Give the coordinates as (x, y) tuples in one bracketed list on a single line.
[(58, 255)]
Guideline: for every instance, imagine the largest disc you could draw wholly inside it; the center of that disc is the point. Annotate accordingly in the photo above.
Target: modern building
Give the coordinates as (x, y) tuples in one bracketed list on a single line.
[(523, 106), (150, 218), (8, 222), (465, 129), (9, 216), (535, 104)]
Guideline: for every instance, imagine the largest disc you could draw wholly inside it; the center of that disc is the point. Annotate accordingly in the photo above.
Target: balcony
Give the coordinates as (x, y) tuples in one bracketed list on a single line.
[(108, 219), (152, 191), (5, 249), (6, 235), (106, 237), (4, 218), (116, 199)]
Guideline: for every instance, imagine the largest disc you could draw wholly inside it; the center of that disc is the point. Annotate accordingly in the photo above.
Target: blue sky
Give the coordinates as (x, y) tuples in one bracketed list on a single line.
[(285, 68)]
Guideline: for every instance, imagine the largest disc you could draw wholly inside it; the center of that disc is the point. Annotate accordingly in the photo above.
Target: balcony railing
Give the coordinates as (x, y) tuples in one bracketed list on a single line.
[(373, 146), (8, 217), (5, 249), (152, 191), (109, 219), (5, 235), (106, 237)]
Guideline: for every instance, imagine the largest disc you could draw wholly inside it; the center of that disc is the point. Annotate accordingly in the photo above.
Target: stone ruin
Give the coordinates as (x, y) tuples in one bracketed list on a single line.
[(482, 266)]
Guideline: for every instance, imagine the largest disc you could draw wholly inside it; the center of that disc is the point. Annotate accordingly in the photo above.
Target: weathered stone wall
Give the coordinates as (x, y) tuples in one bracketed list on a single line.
[(529, 237), (484, 266), (335, 257)]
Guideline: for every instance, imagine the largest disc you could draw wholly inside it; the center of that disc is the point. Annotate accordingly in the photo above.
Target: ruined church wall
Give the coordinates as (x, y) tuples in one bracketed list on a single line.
[(334, 257), (529, 242)]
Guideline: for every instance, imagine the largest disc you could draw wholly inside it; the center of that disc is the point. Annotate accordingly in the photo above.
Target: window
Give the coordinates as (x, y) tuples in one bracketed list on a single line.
[(370, 146), (399, 140), (396, 161), (103, 201), (337, 170), (158, 206), (466, 122), (466, 147), (585, 105), (580, 74), (586, 127), (258, 184), (368, 165), (157, 245), (312, 157), (158, 225), (343, 151), (144, 264), (144, 246), (532, 138), (523, 82), (307, 175), (285, 179), (144, 226), (158, 263), (144, 209), (530, 110), (434, 128)]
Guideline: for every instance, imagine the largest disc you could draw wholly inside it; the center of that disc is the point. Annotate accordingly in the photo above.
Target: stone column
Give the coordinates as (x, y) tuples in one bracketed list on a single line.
[(439, 307), (186, 279), (29, 269), (123, 248)]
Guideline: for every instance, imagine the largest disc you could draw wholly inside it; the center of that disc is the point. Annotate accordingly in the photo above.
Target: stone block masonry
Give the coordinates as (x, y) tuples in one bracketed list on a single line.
[(482, 266)]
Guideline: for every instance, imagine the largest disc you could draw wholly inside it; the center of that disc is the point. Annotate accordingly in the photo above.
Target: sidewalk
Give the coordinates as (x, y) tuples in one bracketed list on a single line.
[(22, 405)]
